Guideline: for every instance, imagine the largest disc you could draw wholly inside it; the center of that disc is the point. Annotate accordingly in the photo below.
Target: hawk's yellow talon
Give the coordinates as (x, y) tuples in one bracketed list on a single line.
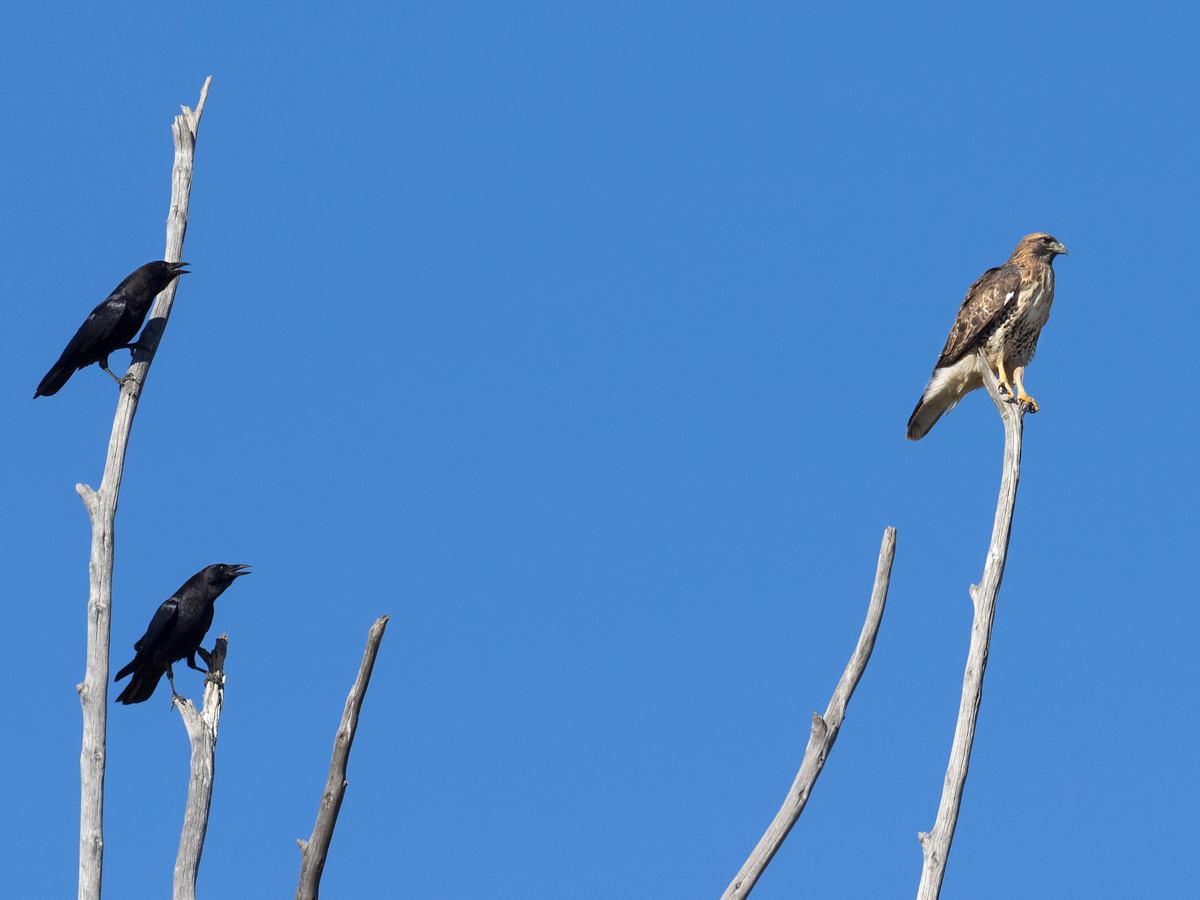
[(1028, 401)]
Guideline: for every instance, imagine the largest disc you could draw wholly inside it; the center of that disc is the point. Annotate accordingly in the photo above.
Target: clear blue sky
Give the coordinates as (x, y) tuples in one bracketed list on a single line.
[(581, 340)]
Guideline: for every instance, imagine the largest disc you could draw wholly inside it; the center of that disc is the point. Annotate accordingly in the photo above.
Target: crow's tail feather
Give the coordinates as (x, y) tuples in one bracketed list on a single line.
[(145, 680), (58, 375)]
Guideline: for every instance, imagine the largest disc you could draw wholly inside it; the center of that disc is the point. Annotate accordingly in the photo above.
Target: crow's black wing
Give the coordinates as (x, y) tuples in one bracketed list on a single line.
[(160, 625), (95, 332), (91, 343)]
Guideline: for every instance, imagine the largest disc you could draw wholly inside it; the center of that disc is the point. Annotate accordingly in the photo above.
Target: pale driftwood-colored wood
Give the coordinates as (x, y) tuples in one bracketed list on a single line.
[(824, 732), (102, 510), (316, 848), (202, 736), (935, 844)]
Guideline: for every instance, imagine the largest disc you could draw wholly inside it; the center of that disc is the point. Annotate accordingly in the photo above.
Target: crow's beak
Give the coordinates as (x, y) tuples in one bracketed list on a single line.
[(178, 268), (1059, 248), (240, 569)]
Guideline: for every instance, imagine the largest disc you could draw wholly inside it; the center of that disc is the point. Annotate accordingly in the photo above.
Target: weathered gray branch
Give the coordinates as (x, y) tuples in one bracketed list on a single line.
[(824, 732), (316, 848), (202, 735), (102, 510), (935, 844)]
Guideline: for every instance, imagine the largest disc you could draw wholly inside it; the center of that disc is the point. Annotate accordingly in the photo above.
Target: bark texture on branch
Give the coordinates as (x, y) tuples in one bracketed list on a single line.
[(824, 732), (202, 736), (102, 510), (316, 848), (935, 844)]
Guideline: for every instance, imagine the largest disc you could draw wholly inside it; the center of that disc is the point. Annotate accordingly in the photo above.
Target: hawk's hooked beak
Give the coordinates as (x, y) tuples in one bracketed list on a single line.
[(1058, 248)]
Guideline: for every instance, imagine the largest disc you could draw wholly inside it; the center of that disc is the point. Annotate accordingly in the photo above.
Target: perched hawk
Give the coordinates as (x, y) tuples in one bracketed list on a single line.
[(1003, 314)]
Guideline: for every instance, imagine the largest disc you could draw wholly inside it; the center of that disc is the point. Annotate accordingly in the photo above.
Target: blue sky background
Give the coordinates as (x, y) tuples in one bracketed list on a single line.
[(581, 339)]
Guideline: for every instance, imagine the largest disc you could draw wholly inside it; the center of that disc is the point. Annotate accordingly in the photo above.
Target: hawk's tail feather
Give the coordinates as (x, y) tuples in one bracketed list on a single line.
[(946, 387), (929, 409)]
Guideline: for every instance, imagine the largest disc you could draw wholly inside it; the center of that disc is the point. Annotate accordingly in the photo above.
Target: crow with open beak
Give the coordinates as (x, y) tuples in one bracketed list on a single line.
[(176, 631), (112, 325)]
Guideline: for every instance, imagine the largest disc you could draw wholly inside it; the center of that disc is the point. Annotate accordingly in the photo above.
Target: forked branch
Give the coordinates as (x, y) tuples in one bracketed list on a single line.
[(316, 848), (102, 510), (935, 844), (824, 732)]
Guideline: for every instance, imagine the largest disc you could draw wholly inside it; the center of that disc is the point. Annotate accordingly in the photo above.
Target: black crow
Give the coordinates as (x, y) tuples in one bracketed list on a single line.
[(176, 631), (112, 325)]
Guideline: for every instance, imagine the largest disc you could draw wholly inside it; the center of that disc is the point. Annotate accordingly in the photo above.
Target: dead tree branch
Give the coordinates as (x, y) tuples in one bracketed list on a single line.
[(824, 732), (935, 844), (316, 848), (102, 510), (202, 735)]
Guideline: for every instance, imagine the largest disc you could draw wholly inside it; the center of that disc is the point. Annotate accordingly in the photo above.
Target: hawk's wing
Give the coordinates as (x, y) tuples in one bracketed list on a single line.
[(985, 298)]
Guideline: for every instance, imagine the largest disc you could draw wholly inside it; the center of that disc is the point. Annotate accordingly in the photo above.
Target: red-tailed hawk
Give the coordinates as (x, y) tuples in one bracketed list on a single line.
[(1003, 315)]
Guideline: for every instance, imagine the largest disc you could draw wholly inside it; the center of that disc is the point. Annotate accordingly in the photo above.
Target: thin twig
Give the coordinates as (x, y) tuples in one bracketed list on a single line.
[(202, 735), (935, 844), (824, 732), (316, 848), (102, 510)]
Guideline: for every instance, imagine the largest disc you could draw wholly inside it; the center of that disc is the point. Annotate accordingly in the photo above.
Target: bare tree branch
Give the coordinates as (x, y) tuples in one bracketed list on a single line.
[(102, 510), (824, 732), (316, 848), (935, 844), (202, 735)]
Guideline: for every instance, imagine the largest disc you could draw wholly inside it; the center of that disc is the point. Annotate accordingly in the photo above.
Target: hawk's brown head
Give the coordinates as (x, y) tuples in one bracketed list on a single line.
[(1038, 246)]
